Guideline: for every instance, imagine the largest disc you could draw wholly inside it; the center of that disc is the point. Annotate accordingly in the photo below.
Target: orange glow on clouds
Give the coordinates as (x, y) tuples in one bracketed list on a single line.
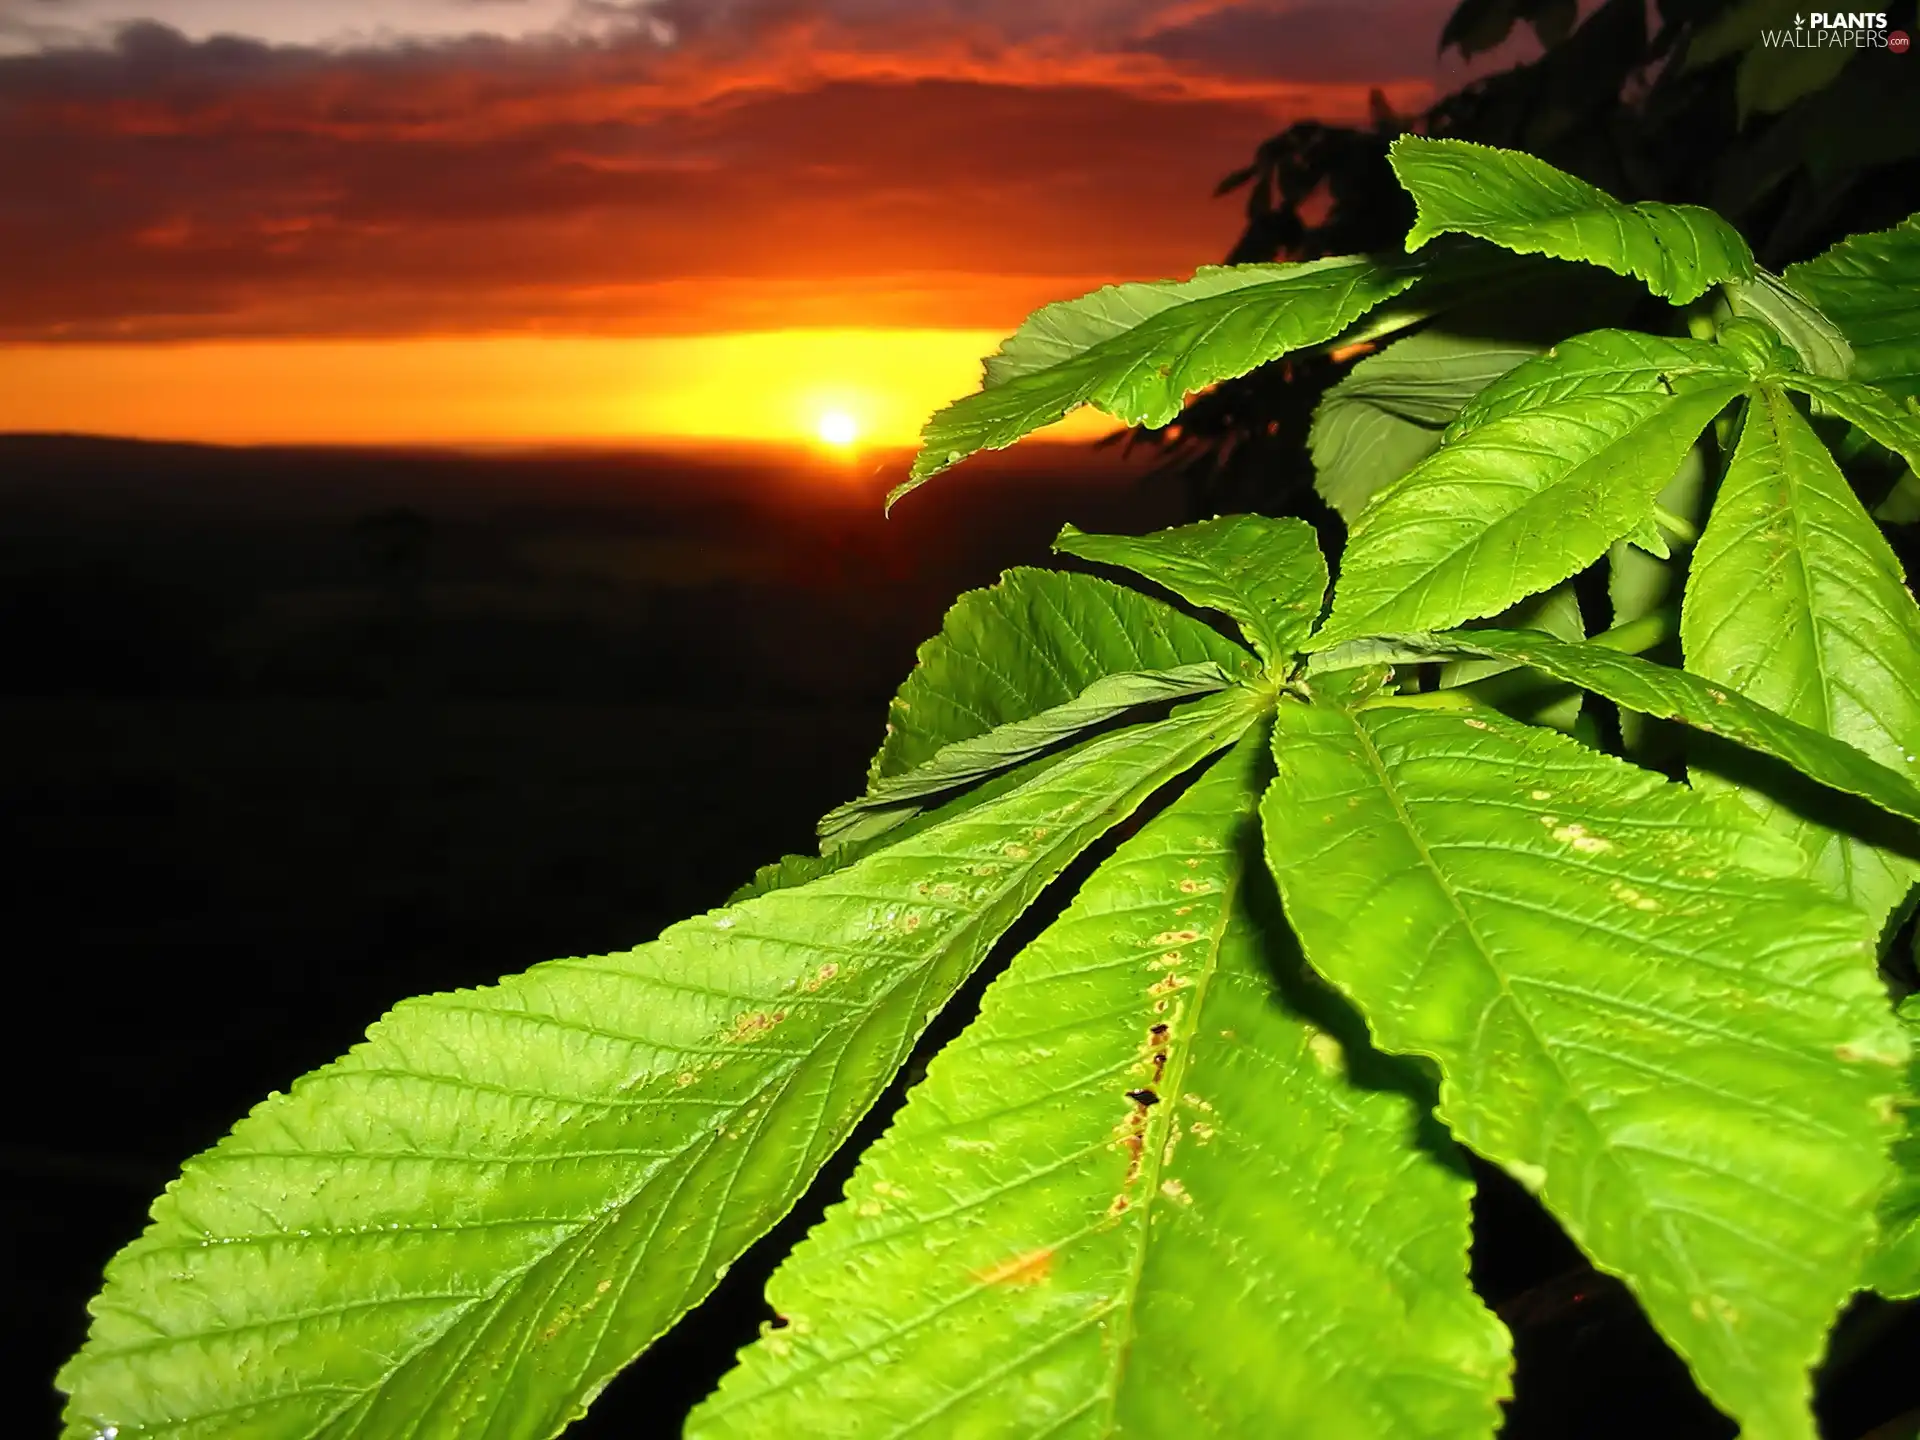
[(776, 386), (658, 222)]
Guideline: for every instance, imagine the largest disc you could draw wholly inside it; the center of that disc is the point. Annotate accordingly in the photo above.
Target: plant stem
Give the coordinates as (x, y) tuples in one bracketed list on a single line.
[(1456, 697), (1636, 637), (1683, 530)]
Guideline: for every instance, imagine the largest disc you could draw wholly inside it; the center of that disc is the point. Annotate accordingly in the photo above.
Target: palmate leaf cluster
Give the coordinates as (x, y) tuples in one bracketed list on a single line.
[(1388, 890)]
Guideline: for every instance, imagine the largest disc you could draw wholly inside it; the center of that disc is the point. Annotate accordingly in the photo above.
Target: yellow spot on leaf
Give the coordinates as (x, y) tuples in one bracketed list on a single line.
[(1327, 1051), (1575, 834), (1627, 895), (1867, 1052), (1032, 1268), (753, 1026)]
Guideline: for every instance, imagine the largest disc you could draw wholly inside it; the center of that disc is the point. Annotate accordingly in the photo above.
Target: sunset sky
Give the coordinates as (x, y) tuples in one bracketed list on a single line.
[(489, 220)]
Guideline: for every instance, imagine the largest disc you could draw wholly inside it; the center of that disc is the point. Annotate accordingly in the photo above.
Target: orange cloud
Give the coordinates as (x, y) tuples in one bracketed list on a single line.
[(764, 164)]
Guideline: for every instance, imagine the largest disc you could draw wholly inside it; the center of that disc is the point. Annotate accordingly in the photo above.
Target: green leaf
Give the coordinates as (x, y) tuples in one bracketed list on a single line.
[(1386, 414), (1460, 278), (1555, 612), (1128, 1199), (893, 801), (1734, 30), (1639, 1010), (1370, 652), (1639, 583), (1820, 344), (1890, 423), (1773, 77), (1865, 286), (1797, 601), (1647, 538), (1770, 78), (785, 873), (1037, 639), (1523, 204), (885, 829), (1598, 364), (1551, 20), (1476, 26), (1067, 329), (1668, 694), (1267, 575), (472, 1220), (1894, 1267), (1542, 471), (1902, 503), (1138, 352)]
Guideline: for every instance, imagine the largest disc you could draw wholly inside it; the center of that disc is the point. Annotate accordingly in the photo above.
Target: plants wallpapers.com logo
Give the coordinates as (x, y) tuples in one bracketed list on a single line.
[(1826, 29)]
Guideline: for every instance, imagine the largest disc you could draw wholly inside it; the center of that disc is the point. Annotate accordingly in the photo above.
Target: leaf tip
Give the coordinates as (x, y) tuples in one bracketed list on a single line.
[(915, 479), (934, 456)]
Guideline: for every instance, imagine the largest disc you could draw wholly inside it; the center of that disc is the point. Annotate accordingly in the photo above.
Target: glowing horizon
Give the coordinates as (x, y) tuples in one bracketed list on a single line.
[(877, 387)]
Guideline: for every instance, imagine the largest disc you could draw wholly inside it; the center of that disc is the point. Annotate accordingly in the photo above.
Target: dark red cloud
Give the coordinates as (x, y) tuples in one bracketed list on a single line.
[(777, 163)]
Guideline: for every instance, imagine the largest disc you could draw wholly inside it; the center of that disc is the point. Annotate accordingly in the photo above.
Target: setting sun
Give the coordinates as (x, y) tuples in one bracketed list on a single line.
[(838, 428)]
